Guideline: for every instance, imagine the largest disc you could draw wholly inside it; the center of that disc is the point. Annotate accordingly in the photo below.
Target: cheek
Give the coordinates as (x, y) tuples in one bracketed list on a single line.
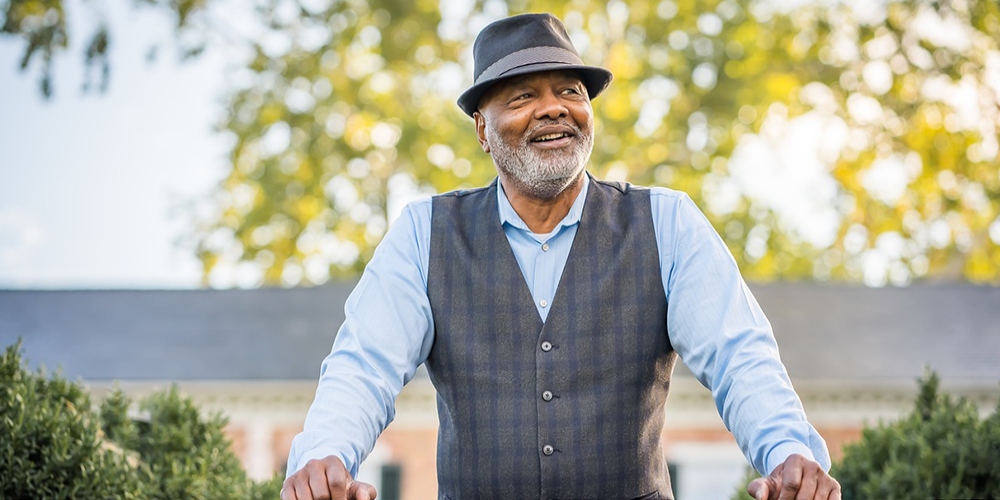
[(583, 117), (511, 130)]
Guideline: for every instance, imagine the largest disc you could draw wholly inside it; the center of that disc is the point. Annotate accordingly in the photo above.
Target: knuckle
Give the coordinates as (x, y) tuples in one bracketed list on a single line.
[(791, 485), (299, 478)]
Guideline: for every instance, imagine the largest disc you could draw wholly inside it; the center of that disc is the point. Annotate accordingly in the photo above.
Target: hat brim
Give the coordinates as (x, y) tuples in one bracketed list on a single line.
[(594, 78)]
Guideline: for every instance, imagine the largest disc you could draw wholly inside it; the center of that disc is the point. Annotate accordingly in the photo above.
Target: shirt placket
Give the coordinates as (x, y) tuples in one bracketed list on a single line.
[(544, 281)]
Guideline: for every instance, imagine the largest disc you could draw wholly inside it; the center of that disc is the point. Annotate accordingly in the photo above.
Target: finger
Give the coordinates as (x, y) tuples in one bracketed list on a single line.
[(362, 491), (791, 480), (835, 494), (318, 483), (758, 488), (824, 489), (807, 490), (287, 491), (300, 488), (337, 480)]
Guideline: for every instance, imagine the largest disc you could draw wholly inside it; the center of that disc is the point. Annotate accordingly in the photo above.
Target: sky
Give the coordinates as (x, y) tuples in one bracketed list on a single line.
[(90, 183)]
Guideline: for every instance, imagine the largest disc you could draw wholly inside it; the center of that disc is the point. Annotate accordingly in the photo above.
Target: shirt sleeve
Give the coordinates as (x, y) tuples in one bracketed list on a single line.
[(722, 335), (387, 333)]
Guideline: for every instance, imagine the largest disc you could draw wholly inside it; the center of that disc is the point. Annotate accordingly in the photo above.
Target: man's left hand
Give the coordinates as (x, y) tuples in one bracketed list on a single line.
[(797, 478)]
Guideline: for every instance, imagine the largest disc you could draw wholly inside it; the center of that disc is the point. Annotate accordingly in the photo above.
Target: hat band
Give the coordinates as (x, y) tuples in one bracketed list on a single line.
[(528, 56)]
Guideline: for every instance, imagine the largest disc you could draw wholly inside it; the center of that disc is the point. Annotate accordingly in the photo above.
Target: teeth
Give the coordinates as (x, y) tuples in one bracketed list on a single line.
[(550, 137)]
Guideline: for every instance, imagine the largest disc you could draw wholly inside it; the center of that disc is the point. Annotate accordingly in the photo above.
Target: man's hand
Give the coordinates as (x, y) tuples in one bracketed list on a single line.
[(325, 479), (798, 478)]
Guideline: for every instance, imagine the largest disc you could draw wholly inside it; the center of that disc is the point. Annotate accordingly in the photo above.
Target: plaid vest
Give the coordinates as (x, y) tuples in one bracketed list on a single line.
[(571, 408)]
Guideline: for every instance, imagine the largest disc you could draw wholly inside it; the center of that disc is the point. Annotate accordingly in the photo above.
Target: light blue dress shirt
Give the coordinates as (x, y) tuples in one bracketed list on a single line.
[(714, 323)]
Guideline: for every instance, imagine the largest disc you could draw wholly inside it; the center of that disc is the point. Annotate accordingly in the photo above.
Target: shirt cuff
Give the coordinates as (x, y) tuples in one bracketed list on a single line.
[(783, 450), (319, 454)]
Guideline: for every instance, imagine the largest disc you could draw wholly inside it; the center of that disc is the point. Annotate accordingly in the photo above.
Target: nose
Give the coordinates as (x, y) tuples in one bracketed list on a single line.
[(550, 106)]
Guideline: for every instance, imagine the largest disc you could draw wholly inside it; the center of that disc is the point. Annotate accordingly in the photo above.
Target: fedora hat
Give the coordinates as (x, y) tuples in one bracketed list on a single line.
[(527, 43)]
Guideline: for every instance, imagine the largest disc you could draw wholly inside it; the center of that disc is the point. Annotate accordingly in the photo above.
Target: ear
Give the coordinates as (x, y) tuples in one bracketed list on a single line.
[(481, 130)]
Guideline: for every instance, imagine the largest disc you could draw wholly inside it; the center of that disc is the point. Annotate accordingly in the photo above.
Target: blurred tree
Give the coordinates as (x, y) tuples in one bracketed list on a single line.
[(850, 141), (42, 27), (352, 112)]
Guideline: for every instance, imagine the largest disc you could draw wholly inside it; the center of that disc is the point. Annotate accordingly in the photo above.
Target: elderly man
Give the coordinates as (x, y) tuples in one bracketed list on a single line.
[(549, 309)]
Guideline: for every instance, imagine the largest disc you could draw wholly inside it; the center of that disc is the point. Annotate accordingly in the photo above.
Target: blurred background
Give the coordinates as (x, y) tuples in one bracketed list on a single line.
[(159, 156)]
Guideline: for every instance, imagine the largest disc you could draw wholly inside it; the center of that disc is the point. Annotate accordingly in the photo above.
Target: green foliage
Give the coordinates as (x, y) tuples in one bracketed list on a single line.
[(50, 445), (182, 454), (266, 490), (941, 450), (54, 445)]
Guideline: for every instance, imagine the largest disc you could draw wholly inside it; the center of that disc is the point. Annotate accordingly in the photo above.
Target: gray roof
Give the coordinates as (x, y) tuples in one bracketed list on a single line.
[(268, 333), (825, 332), (845, 332)]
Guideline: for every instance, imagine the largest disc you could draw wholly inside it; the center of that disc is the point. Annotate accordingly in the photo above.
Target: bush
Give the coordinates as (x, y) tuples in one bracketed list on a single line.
[(53, 444), (940, 450)]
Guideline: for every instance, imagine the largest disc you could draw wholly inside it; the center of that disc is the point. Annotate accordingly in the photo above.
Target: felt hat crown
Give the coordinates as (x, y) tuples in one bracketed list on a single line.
[(526, 43)]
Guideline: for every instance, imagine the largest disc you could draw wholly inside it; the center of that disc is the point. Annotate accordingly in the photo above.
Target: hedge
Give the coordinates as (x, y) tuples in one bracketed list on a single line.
[(54, 444)]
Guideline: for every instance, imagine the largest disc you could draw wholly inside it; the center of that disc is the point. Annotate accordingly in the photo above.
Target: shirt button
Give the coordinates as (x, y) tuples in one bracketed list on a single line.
[(543, 303), (546, 346), (545, 247), (547, 395), (548, 450)]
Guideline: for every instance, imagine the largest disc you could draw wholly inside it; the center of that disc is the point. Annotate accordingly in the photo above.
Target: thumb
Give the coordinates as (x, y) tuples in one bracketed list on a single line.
[(361, 491), (758, 488)]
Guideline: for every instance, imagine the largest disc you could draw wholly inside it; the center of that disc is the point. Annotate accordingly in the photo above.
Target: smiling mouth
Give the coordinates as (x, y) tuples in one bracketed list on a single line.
[(551, 137)]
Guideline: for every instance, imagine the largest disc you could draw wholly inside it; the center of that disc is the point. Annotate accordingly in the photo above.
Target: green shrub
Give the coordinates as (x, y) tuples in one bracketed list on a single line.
[(53, 444), (50, 445), (942, 449)]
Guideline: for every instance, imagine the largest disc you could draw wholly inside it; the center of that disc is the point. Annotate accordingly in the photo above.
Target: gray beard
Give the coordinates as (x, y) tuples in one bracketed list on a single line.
[(540, 175)]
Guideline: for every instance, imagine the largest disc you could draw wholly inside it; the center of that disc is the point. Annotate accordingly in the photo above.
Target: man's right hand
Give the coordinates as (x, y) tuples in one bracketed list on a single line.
[(325, 479)]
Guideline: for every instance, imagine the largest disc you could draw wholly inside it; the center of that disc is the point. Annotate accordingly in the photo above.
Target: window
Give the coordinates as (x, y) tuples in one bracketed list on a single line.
[(392, 482)]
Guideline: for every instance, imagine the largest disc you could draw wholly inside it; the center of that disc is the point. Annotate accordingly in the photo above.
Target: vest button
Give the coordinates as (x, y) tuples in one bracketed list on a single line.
[(546, 346), (547, 395), (548, 450)]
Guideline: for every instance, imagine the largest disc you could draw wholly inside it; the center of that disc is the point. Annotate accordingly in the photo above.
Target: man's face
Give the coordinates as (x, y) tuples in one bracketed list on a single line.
[(539, 129)]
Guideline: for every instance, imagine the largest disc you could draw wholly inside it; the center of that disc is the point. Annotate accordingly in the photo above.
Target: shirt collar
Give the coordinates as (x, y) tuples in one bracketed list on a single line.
[(509, 216)]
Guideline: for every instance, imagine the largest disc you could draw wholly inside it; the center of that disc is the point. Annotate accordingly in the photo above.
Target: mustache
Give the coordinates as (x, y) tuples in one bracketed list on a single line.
[(547, 123)]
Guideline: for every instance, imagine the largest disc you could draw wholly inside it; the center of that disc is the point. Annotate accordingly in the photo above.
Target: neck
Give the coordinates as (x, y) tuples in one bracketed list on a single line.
[(542, 215)]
